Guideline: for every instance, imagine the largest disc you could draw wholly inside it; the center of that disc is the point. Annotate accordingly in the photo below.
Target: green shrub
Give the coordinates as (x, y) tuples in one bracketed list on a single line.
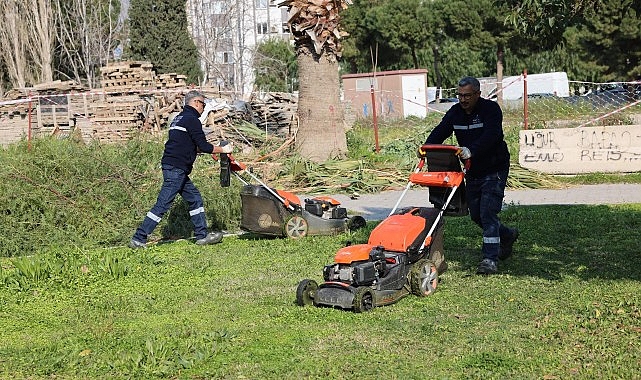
[(67, 194)]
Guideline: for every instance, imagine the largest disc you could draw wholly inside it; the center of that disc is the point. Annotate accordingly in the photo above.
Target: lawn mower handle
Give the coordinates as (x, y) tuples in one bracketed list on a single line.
[(423, 149), (235, 167)]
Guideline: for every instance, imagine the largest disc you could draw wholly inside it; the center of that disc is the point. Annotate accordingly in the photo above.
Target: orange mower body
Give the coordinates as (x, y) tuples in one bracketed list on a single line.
[(404, 253)]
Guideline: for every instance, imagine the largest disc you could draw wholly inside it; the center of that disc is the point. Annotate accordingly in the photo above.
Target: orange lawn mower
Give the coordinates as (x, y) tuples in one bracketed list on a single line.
[(268, 211), (404, 253)]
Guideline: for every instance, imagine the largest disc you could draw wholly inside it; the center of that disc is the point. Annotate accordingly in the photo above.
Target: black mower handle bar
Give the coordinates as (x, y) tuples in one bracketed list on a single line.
[(423, 149)]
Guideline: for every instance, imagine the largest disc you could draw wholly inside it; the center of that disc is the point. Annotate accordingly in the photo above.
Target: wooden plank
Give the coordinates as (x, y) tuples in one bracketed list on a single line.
[(114, 119)]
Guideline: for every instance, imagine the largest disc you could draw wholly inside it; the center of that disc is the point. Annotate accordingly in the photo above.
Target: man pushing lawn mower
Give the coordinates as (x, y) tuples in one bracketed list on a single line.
[(186, 140), (477, 124)]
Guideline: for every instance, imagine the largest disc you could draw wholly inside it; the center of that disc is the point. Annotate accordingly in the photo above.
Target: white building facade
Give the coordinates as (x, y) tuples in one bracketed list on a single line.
[(227, 33)]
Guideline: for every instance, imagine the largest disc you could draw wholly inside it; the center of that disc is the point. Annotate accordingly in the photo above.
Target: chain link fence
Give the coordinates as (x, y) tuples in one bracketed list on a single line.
[(584, 104)]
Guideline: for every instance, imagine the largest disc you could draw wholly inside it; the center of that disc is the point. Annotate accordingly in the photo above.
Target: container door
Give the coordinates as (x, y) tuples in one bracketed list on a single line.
[(414, 96)]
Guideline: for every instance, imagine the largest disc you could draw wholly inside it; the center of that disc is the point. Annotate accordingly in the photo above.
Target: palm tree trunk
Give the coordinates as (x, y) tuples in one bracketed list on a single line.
[(321, 133)]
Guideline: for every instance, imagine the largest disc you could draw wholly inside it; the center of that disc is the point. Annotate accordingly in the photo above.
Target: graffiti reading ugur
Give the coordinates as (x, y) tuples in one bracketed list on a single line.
[(582, 150), (546, 148)]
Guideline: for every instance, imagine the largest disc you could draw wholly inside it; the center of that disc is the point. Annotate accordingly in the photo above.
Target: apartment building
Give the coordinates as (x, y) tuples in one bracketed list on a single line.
[(227, 33)]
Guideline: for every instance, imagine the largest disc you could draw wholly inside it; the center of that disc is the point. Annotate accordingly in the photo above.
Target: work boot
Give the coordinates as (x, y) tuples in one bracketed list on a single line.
[(487, 266), (135, 244), (211, 238), (507, 244)]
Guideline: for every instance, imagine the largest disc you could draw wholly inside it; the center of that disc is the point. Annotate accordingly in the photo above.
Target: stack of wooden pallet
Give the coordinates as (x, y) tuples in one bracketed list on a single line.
[(113, 119), (170, 80), (132, 103), (14, 121), (130, 76), (134, 100), (275, 112), (135, 76), (46, 105)]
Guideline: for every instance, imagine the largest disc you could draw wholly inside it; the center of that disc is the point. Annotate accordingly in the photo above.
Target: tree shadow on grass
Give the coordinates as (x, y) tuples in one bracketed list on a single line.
[(179, 225), (584, 241), (178, 222)]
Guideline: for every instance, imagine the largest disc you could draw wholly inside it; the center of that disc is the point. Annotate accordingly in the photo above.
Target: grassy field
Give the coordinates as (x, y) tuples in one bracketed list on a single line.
[(75, 303), (567, 305)]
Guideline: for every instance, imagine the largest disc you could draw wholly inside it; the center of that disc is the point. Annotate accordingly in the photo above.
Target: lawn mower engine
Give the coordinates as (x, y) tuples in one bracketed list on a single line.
[(365, 273), (381, 280), (325, 207), (396, 261)]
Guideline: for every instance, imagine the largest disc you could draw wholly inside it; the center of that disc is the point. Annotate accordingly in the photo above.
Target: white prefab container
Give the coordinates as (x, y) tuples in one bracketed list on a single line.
[(397, 94)]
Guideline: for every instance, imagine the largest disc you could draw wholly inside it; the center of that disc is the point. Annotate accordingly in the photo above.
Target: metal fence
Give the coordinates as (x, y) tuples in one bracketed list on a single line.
[(585, 104)]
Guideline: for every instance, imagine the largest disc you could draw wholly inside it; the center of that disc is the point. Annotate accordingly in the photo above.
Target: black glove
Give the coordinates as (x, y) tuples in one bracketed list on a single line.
[(420, 153)]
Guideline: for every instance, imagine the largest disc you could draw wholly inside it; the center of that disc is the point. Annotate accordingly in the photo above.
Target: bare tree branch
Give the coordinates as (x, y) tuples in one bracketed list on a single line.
[(12, 41)]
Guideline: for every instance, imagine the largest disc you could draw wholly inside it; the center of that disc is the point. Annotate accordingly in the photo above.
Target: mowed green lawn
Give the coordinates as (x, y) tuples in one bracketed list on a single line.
[(567, 305)]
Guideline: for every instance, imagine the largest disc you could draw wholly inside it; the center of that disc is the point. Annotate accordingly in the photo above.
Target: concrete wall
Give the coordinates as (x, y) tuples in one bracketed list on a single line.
[(607, 149)]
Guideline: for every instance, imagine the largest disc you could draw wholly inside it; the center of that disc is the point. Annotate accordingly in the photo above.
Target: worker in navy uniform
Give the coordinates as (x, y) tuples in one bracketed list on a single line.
[(477, 124), (186, 139)]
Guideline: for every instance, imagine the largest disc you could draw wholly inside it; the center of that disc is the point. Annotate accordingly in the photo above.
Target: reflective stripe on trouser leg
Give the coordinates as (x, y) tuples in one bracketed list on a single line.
[(491, 238), (147, 227), (491, 247), (199, 219)]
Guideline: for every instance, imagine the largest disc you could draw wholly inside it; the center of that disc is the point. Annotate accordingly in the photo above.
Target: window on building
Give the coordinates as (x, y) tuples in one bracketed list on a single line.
[(364, 84), (218, 7), (228, 57), (222, 32), (284, 16), (261, 28), (261, 4)]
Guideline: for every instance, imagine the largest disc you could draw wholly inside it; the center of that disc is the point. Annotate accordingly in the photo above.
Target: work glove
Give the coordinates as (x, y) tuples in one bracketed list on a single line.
[(464, 153), (420, 153), (226, 146)]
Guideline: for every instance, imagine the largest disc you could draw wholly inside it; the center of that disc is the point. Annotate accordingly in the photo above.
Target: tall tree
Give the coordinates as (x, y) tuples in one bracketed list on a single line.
[(611, 38), (87, 34), (546, 20), (315, 25), (14, 43), (27, 40), (158, 33), (42, 26), (275, 66), (385, 35), (404, 29)]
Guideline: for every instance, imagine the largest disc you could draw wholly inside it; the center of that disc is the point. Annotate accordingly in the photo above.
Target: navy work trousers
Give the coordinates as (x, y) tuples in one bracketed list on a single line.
[(485, 200), (175, 181)]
